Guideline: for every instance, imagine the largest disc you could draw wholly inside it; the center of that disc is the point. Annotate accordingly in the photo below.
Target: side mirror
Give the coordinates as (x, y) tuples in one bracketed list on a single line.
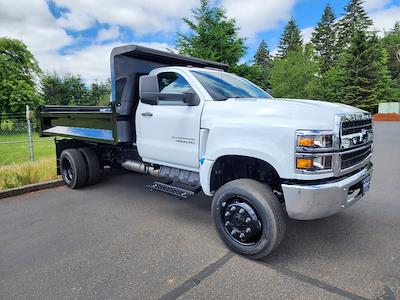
[(191, 99), (148, 89)]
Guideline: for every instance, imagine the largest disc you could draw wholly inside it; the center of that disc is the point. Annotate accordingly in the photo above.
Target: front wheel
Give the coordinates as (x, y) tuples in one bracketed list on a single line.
[(248, 217)]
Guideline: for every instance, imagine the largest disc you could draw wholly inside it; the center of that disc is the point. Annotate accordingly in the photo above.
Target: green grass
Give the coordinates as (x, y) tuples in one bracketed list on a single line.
[(19, 153), (17, 170), (16, 175)]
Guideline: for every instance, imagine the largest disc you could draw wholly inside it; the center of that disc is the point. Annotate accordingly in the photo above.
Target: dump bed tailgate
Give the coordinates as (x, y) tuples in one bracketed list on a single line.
[(87, 123)]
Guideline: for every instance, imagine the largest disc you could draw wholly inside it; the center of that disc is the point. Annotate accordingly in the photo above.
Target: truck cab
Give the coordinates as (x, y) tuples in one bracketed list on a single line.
[(185, 119)]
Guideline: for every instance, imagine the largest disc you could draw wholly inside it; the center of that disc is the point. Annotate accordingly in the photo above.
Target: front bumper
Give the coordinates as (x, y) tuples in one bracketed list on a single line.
[(307, 202)]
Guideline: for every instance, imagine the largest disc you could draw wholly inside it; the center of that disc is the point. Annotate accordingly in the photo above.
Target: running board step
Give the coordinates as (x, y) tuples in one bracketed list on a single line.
[(170, 189)]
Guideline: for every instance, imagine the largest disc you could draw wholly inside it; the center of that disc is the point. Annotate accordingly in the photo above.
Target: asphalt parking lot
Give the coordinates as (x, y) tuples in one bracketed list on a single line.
[(119, 240)]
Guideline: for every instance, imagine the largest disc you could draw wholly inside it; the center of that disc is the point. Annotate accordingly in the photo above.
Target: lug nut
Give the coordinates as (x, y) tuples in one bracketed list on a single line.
[(227, 223), (248, 230), (248, 220), (233, 232), (227, 214), (241, 235), (241, 211), (233, 208), (223, 204)]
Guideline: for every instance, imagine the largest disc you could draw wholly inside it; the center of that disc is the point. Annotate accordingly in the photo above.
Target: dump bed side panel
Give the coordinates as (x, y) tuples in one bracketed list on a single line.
[(95, 124)]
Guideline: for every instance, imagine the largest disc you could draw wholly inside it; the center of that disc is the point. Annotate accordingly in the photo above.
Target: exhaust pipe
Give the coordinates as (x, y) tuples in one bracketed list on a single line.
[(140, 167)]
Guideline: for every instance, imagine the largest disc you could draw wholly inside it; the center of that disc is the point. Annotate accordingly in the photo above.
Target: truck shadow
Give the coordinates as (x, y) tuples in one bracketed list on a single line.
[(328, 238), (333, 238)]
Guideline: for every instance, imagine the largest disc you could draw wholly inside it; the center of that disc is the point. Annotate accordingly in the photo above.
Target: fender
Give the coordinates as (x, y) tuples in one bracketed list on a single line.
[(207, 164)]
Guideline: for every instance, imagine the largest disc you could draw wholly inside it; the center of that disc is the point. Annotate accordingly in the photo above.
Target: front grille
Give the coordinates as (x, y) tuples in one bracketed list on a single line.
[(351, 127), (353, 158)]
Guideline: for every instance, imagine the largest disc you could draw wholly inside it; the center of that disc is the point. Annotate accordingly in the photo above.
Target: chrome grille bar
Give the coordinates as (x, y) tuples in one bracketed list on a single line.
[(355, 157), (356, 137)]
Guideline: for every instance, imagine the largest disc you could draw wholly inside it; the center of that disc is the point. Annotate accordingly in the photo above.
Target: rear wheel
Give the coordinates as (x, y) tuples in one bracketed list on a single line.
[(248, 217), (73, 168), (93, 165)]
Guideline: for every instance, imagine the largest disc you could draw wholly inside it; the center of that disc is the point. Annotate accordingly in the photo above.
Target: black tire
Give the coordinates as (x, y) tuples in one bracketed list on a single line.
[(243, 198), (73, 168), (93, 165)]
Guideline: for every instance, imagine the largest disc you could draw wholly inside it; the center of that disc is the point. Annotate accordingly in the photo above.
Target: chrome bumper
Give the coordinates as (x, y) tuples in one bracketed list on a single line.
[(307, 202)]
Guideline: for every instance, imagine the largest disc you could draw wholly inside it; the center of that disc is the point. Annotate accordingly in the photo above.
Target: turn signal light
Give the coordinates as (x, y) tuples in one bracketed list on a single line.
[(305, 141), (304, 163)]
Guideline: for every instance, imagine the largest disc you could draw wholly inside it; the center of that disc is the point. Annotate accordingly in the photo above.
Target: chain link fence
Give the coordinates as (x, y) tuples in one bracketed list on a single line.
[(19, 141)]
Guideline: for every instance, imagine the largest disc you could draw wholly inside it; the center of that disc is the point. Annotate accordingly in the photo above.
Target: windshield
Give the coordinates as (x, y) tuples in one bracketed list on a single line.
[(222, 86)]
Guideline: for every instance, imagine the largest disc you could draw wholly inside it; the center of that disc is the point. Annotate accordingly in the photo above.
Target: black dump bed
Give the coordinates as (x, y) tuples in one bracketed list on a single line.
[(89, 123), (116, 123)]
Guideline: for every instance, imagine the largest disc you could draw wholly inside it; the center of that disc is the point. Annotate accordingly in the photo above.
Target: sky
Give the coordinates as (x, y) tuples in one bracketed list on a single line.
[(76, 36)]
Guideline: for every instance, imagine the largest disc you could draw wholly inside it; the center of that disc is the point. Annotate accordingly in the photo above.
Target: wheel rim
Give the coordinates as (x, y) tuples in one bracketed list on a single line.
[(66, 170), (241, 221)]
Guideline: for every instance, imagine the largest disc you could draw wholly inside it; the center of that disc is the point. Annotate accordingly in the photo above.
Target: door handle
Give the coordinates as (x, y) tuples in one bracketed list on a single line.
[(147, 114)]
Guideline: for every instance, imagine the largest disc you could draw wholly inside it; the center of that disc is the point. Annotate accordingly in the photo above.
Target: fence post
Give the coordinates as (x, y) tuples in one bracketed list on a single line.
[(28, 120)]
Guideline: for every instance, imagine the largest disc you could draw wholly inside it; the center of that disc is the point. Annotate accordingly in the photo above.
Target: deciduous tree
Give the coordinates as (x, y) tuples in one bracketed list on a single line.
[(18, 73), (295, 75), (71, 90)]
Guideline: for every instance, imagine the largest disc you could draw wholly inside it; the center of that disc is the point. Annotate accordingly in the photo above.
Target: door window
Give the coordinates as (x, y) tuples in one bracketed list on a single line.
[(171, 82)]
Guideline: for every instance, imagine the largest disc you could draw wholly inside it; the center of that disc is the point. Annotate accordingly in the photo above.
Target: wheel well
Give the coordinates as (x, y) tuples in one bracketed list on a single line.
[(231, 167)]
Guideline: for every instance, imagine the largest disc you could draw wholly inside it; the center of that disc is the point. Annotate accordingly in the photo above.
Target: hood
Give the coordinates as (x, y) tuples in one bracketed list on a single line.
[(297, 113)]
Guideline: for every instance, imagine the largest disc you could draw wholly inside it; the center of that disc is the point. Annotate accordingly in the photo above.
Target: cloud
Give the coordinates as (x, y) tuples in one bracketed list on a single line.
[(91, 63), (109, 34), (255, 16), (78, 21), (386, 18), (306, 34), (32, 22), (371, 5), (142, 17)]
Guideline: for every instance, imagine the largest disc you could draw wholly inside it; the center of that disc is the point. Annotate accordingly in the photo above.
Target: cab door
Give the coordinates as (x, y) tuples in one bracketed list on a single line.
[(168, 133)]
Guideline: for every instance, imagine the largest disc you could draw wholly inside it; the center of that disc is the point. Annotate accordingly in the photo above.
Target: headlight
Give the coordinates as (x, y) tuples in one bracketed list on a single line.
[(313, 140), (314, 150), (314, 163)]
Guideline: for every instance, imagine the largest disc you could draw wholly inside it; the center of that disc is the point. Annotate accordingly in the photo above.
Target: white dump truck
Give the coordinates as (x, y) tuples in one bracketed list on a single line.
[(197, 127)]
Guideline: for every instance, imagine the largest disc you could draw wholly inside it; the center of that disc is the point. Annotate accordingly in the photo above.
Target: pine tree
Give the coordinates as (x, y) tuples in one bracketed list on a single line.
[(355, 19), (213, 36), (291, 39), (364, 79), (391, 43), (260, 70), (324, 39), (262, 56)]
